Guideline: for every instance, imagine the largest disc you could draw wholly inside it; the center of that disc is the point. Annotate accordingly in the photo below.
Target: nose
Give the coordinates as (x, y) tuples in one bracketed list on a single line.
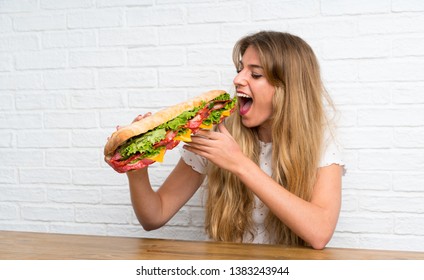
[(239, 79)]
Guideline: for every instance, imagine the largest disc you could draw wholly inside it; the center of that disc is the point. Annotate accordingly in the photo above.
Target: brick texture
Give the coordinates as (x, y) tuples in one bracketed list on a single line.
[(71, 70)]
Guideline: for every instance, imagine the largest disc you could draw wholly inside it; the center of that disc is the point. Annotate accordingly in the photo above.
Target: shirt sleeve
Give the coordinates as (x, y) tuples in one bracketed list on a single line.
[(196, 162), (332, 152)]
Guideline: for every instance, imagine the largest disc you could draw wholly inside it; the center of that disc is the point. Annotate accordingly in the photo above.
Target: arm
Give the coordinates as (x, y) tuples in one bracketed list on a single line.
[(154, 209), (313, 221)]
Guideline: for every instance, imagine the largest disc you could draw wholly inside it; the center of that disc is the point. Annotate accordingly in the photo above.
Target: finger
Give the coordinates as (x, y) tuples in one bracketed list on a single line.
[(223, 129), (199, 135), (197, 149), (213, 135), (199, 140), (140, 117)]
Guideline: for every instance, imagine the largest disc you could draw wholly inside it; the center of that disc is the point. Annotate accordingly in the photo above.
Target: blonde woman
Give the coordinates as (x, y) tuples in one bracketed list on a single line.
[(273, 168)]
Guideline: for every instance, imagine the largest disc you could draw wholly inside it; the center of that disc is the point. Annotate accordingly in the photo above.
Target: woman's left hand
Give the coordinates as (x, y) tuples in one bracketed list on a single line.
[(217, 146)]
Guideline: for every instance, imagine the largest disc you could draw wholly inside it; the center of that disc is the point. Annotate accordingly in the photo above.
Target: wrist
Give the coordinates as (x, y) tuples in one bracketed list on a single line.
[(136, 173), (243, 167)]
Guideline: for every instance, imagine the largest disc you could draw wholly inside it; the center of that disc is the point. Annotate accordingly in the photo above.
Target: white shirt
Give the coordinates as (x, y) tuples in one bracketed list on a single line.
[(332, 154)]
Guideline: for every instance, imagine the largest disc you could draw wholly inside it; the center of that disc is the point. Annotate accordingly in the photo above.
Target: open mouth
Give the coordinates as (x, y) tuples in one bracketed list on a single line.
[(245, 102)]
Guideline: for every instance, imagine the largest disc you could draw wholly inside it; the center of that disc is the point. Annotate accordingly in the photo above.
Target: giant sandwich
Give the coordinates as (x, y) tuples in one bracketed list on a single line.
[(145, 141)]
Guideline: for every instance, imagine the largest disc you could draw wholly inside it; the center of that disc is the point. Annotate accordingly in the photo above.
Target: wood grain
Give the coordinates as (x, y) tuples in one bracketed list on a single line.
[(47, 246)]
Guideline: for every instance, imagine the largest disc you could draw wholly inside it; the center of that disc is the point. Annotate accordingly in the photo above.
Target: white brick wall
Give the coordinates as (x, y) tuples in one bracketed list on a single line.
[(71, 70)]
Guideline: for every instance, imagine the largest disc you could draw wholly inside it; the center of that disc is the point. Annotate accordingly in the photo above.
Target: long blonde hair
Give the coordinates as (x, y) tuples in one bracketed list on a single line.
[(298, 122)]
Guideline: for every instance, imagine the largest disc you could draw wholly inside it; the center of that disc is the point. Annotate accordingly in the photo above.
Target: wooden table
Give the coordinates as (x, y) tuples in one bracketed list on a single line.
[(47, 246)]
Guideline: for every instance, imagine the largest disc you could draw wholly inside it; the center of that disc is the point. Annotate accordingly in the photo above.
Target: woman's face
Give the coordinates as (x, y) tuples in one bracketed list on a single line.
[(254, 92)]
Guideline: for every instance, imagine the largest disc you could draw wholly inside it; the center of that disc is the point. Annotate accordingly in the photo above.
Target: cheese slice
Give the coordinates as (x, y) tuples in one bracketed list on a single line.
[(206, 126), (226, 113), (159, 157), (185, 137)]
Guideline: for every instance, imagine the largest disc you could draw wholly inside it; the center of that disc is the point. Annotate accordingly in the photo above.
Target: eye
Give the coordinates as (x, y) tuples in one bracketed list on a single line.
[(256, 76)]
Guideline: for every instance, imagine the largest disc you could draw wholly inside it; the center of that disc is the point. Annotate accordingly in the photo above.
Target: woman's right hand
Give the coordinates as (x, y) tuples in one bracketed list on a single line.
[(118, 127), (138, 118)]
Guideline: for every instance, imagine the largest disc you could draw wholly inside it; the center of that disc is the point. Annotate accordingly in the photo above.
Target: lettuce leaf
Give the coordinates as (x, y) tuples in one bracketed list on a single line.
[(223, 97), (180, 120), (215, 116), (143, 143)]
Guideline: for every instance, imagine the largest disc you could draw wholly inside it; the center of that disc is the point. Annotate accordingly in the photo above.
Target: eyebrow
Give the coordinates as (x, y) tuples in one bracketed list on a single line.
[(251, 65)]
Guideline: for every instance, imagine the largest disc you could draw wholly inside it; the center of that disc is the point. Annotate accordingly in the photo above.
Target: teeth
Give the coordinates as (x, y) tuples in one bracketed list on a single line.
[(243, 95)]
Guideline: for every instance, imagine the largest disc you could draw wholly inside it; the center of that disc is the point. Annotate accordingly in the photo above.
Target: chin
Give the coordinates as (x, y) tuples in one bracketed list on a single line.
[(253, 122), (248, 124)]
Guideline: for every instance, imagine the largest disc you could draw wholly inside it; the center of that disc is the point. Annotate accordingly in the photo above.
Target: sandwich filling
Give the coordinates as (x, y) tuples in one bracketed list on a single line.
[(147, 148)]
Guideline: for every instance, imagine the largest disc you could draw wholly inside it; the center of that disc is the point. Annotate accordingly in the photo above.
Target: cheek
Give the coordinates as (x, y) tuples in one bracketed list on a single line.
[(265, 107), (264, 99), (268, 100), (269, 107)]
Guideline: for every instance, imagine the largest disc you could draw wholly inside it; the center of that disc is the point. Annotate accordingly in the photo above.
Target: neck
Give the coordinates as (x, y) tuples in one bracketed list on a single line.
[(264, 132)]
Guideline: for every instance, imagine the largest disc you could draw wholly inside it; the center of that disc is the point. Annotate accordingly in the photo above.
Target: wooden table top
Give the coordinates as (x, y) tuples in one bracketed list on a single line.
[(47, 246)]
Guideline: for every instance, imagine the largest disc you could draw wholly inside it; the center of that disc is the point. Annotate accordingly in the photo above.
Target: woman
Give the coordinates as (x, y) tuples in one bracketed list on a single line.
[(273, 169)]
